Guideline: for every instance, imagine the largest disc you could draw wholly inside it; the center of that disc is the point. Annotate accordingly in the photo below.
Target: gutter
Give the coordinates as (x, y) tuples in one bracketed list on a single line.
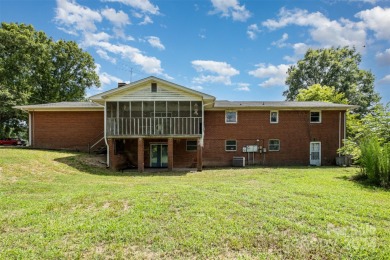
[(105, 135)]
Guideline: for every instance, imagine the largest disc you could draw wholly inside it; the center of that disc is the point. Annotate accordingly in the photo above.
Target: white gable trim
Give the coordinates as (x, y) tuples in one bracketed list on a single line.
[(130, 88)]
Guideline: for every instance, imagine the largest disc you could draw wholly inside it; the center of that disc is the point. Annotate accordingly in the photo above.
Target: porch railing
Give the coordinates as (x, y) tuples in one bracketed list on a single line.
[(148, 126)]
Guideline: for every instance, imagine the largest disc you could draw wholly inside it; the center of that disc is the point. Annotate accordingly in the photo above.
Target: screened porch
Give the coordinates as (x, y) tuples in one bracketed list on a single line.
[(154, 118)]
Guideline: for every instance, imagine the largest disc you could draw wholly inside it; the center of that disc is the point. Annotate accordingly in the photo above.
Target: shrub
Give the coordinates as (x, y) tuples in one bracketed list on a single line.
[(375, 160)]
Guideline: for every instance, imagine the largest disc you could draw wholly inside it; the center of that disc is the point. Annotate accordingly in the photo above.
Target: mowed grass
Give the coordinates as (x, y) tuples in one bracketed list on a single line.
[(53, 205)]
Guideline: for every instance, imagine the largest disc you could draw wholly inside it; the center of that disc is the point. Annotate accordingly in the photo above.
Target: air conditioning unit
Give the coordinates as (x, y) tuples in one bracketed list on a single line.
[(238, 161)]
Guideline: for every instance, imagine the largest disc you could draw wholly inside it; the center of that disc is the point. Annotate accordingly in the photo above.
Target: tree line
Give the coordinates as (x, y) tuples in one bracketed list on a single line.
[(36, 69)]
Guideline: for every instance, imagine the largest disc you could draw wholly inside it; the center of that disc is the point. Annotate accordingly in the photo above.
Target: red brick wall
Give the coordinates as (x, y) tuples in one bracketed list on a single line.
[(294, 131), (66, 130)]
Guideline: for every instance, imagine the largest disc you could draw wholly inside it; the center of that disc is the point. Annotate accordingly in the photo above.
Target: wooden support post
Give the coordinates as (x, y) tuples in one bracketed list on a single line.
[(199, 164), (170, 154), (141, 152)]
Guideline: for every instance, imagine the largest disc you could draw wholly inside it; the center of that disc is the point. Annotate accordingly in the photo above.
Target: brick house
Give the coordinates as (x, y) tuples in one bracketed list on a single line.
[(156, 123)]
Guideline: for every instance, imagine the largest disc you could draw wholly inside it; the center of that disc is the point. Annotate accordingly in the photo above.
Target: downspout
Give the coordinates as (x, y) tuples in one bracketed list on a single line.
[(105, 134), (30, 128), (339, 133), (345, 125), (203, 128)]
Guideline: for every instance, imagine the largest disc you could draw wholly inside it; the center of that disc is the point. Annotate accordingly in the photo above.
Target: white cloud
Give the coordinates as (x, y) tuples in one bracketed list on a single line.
[(199, 88), (252, 31), (325, 32), (383, 58), (378, 20), (148, 64), (243, 87), (222, 71), (105, 78), (155, 42), (147, 20), (300, 49), (385, 80), (144, 6), (91, 38), (76, 17), (275, 75), (282, 41), (119, 19), (231, 8), (104, 55)]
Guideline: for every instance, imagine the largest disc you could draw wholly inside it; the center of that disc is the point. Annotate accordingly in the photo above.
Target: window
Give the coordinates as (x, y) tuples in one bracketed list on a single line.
[(273, 145), (191, 145), (274, 117), (231, 117), (154, 87), (230, 145), (315, 116)]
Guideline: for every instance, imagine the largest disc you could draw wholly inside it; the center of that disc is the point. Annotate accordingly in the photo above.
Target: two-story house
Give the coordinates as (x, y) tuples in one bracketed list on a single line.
[(156, 123)]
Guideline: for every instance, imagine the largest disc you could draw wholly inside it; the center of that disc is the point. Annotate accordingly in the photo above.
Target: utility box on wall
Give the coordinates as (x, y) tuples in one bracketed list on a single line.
[(238, 161)]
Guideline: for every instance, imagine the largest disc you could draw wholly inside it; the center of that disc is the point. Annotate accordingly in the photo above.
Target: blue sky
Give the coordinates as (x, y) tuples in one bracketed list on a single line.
[(231, 49)]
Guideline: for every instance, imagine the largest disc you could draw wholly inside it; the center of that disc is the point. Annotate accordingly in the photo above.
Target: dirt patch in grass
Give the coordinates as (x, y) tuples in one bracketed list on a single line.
[(95, 160)]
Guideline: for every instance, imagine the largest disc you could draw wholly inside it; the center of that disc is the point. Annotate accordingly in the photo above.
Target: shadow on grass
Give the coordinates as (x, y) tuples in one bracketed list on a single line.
[(363, 182), (91, 164)]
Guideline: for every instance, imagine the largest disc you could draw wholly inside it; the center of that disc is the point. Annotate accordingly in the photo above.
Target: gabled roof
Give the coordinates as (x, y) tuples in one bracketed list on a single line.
[(287, 105), (100, 97), (63, 106)]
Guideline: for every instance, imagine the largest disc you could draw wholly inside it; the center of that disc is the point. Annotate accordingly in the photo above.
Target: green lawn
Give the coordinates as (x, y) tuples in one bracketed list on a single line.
[(54, 205)]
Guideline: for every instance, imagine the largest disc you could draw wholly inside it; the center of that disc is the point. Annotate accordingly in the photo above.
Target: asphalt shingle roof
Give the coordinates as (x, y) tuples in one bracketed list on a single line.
[(62, 105), (278, 104)]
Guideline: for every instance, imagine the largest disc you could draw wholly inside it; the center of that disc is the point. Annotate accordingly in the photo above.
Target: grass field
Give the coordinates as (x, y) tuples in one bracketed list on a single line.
[(55, 205)]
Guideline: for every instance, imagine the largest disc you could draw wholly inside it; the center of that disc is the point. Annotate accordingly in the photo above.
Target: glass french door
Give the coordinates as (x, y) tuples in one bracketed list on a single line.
[(158, 155)]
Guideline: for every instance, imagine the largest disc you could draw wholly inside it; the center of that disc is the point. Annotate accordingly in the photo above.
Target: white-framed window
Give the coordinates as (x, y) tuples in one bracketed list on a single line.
[(231, 117), (315, 116), (191, 145), (274, 117), (274, 145), (230, 145)]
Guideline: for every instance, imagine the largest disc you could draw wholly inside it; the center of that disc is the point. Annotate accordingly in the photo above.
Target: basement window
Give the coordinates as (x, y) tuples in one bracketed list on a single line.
[(274, 145), (154, 87), (230, 145)]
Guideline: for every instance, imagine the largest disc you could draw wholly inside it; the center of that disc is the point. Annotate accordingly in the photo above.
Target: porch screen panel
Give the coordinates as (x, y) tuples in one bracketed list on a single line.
[(136, 117), (111, 110), (124, 118), (161, 118), (196, 113), (173, 111), (185, 117), (147, 121)]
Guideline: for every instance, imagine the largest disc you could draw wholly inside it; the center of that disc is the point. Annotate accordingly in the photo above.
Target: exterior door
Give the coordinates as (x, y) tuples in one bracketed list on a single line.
[(315, 153), (158, 155)]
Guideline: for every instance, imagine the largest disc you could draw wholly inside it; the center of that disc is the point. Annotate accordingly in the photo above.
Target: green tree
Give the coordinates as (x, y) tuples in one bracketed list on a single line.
[(321, 93), (376, 125), (36, 69), (338, 68)]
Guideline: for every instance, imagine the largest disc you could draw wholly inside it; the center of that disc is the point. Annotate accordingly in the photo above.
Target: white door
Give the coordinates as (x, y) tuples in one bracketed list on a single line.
[(315, 153)]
